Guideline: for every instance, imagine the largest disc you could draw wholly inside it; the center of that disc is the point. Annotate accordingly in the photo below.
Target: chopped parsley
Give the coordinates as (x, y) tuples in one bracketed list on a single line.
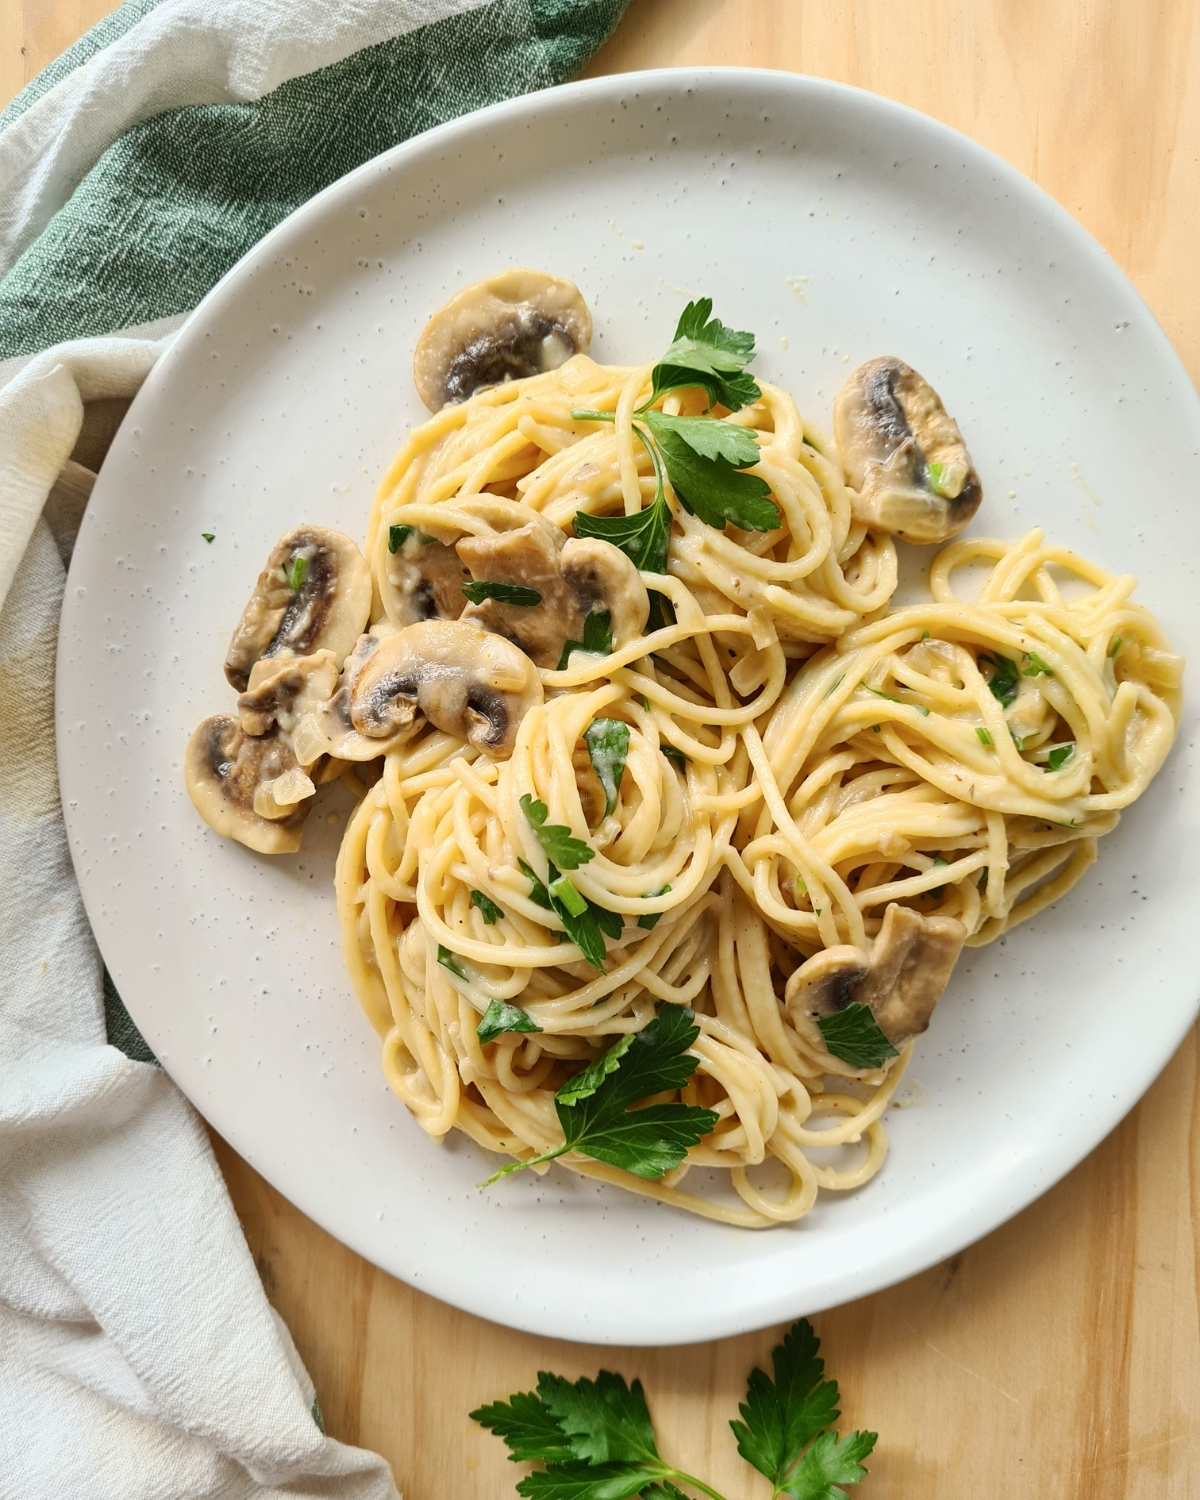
[(585, 928), (1036, 667), (1059, 756), (298, 571), (397, 536), (597, 638), (984, 736), (502, 593), (853, 1035), (209, 536), (499, 1018), (490, 911), (560, 844), (676, 756), (595, 1108), (1003, 681), (649, 921), (452, 962), (1114, 649), (607, 742)]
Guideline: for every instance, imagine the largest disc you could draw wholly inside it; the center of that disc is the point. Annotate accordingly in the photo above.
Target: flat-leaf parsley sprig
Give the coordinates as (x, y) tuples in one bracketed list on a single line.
[(703, 457), (596, 1441), (596, 1108)]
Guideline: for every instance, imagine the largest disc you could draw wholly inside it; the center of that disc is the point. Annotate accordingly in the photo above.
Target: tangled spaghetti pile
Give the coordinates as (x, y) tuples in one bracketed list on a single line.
[(798, 760)]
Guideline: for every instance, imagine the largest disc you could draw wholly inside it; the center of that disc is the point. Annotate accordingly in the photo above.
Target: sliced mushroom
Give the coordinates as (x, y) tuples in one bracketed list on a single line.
[(230, 775), (327, 728), (573, 578), (903, 454), (464, 680), (900, 980), (426, 577), (282, 691), (505, 328), (313, 594)]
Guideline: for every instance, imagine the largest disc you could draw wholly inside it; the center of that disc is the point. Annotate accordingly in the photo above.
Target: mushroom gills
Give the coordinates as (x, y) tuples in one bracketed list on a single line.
[(507, 327), (900, 980), (231, 778), (314, 594), (464, 680), (904, 456)]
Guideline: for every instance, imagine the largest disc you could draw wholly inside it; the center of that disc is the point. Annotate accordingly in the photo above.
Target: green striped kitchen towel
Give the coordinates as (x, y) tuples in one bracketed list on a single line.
[(143, 163)]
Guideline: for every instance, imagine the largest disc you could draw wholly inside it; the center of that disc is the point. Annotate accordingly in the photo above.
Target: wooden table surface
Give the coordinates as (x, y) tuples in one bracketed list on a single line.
[(1061, 1355)]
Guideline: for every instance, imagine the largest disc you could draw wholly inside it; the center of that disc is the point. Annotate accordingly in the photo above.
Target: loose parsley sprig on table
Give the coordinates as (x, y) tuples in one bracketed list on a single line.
[(596, 1441), (704, 458), (596, 1107)]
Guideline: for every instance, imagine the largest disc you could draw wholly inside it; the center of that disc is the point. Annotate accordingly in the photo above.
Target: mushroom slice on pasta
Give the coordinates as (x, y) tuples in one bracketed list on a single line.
[(900, 980), (464, 680), (571, 579), (247, 787), (903, 454), (314, 594), (516, 324)]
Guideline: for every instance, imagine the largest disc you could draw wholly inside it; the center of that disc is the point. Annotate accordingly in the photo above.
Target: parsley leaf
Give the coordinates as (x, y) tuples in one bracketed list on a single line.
[(397, 536), (595, 1108), (597, 637), (676, 756), (783, 1431), (452, 962), (502, 593), (707, 354), (1003, 681), (607, 742), (1059, 756), (491, 912), (708, 437), (583, 928), (500, 1017), (853, 1035), (209, 536), (984, 736), (920, 707), (650, 920), (1115, 649), (298, 572), (527, 1427), (713, 488), (556, 839), (830, 1463), (1036, 667), (642, 537)]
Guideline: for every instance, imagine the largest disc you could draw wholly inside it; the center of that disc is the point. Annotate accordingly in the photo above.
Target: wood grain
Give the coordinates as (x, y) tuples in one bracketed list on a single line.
[(1061, 1355)]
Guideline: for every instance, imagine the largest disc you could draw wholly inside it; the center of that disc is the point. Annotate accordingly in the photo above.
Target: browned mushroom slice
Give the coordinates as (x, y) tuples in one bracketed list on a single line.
[(282, 690), (247, 787), (572, 579), (505, 328), (464, 680), (903, 454), (313, 594), (426, 578), (900, 980)]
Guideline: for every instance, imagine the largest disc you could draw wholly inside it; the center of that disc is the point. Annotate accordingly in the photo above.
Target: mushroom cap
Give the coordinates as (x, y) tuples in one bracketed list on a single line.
[(425, 578), (282, 690), (510, 326), (904, 454), (327, 611), (225, 769), (573, 578), (901, 979), (465, 681)]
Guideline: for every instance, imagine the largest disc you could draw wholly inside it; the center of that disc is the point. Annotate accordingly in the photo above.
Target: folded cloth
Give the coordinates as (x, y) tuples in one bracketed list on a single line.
[(139, 1359)]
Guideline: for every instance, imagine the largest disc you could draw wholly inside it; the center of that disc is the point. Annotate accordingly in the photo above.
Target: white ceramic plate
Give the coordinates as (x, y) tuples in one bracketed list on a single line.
[(837, 226)]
